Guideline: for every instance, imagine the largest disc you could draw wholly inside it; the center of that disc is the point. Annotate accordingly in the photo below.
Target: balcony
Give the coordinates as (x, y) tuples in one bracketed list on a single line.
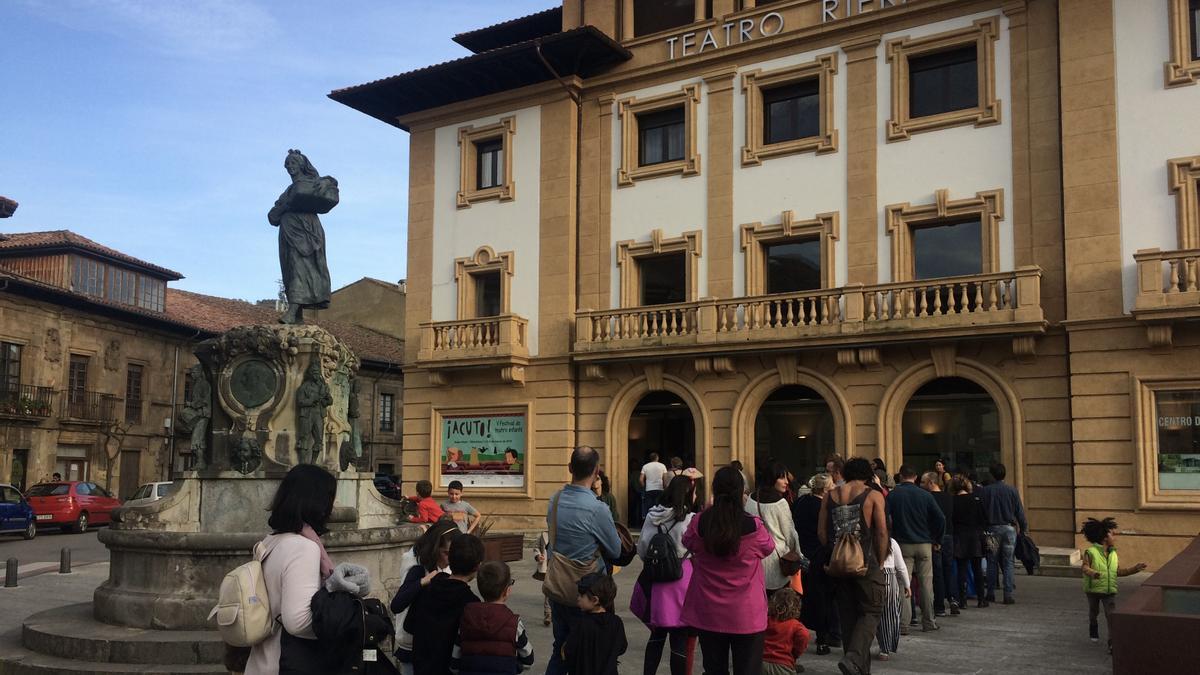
[(494, 341), (1168, 290), (90, 407), (26, 403), (1000, 304)]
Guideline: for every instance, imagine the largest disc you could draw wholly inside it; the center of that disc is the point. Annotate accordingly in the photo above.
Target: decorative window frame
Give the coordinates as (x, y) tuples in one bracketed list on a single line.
[(483, 261), (1150, 496), (823, 69), (1180, 69), (629, 252), (901, 218), (983, 33), (628, 110), (755, 237), (468, 162), (1183, 180)]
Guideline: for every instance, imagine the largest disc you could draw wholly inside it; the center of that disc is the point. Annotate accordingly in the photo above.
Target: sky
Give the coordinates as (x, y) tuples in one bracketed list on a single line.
[(159, 127)]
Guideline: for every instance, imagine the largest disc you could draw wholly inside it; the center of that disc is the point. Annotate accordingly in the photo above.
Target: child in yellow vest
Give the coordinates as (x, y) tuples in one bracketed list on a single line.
[(1100, 572)]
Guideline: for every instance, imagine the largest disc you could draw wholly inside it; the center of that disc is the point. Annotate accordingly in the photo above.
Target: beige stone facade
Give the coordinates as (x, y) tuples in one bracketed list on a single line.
[(1044, 334)]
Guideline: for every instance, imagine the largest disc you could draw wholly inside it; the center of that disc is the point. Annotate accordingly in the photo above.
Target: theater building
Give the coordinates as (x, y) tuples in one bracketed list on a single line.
[(729, 230)]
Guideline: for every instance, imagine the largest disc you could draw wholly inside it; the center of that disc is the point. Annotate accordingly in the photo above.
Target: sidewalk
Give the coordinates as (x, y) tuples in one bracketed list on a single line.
[(48, 590)]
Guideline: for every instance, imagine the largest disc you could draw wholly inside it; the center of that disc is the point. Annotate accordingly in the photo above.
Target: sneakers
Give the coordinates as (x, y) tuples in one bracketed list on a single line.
[(981, 604), (953, 608), (939, 612), (1010, 600), (1094, 632), (930, 628), (822, 650), (884, 656)]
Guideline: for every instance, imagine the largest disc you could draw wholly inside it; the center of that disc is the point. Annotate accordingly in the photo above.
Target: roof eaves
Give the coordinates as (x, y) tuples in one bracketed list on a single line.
[(512, 31)]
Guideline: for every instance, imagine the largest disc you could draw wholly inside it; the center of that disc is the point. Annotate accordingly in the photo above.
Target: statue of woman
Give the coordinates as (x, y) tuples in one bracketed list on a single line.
[(301, 237)]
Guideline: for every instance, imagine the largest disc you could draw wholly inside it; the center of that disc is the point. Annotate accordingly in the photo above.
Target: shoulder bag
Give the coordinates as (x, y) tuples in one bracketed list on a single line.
[(790, 563), (562, 573)]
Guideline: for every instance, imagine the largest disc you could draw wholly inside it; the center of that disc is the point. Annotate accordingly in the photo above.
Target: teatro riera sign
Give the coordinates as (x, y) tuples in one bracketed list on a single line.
[(769, 24)]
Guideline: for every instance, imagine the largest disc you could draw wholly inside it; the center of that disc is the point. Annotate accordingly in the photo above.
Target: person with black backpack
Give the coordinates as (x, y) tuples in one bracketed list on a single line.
[(666, 572)]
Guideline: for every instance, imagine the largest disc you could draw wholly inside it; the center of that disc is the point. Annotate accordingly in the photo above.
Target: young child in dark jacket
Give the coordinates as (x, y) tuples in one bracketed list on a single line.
[(491, 638), (434, 616), (597, 638)]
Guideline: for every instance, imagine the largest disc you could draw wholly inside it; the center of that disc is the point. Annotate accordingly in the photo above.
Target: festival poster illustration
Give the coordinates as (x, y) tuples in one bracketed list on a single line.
[(483, 450)]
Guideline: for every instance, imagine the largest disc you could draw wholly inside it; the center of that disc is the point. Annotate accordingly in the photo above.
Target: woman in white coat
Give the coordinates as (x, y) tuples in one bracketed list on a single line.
[(770, 505)]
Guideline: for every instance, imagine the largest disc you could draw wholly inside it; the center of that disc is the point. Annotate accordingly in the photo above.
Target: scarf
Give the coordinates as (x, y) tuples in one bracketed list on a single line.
[(326, 564)]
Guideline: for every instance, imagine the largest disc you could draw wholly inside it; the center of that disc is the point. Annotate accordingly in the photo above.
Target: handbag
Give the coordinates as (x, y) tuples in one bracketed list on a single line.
[(628, 547), (991, 543), (562, 573), (790, 563)]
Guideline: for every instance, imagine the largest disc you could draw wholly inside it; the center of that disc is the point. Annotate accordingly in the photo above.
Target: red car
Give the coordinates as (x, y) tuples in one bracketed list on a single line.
[(72, 505)]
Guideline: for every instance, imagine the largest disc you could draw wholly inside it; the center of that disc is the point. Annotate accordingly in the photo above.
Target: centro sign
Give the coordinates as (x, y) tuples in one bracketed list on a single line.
[(735, 33)]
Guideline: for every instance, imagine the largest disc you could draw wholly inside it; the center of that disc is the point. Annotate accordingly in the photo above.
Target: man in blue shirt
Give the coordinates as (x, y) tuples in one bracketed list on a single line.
[(917, 525), (1006, 519), (583, 531)]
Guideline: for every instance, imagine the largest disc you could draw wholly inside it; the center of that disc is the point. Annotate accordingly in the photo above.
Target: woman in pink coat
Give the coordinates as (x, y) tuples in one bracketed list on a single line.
[(726, 602)]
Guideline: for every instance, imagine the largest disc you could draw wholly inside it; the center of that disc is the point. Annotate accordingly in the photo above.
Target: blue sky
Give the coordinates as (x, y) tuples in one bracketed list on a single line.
[(159, 127)]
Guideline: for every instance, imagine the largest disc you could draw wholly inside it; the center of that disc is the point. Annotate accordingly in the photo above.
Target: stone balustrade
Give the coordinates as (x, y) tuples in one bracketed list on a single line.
[(475, 341), (1168, 283)]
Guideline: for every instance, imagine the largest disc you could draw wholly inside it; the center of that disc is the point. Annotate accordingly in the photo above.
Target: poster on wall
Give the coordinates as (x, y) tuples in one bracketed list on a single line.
[(483, 450)]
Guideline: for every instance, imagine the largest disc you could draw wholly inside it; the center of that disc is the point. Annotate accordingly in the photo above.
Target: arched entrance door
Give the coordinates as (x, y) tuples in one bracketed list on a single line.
[(955, 419), (795, 426), (661, 423)]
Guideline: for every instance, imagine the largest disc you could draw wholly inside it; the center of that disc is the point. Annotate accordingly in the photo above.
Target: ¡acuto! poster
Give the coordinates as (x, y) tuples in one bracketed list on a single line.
[(485, 450)]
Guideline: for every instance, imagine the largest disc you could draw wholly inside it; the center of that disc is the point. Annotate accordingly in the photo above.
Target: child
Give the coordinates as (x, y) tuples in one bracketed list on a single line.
[(488, 628), (895, 574), (786, 637), (428, 510), (597, 638), (1100, 572), (467, 517), (433, 618)]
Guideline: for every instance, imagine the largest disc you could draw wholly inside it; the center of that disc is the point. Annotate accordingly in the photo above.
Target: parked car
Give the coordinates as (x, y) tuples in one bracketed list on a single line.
[(16, 515), (71, 505), (149, 492)]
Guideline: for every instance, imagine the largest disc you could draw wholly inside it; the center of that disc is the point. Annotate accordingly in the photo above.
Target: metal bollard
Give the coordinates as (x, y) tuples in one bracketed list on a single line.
[(64, 561), (10, 573)]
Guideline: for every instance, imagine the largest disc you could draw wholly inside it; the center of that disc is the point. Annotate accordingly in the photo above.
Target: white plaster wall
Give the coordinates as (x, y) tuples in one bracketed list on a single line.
[(1154, 124), (806, 184), (674, 204), (505, 226), (964, 159)]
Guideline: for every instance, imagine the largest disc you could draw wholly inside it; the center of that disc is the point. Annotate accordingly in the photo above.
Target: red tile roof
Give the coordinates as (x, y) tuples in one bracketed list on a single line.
[(53, 239)]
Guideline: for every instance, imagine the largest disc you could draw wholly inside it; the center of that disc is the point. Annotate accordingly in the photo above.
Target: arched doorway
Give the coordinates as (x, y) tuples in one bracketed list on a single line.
[(955, 419), (661, 423), (794, 425)]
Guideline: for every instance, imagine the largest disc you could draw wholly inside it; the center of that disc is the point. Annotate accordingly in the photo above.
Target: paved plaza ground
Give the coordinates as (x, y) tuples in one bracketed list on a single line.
[(1046, 632)]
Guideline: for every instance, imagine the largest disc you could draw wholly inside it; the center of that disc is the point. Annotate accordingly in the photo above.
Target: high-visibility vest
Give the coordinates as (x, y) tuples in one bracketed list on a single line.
[(1106, 565)]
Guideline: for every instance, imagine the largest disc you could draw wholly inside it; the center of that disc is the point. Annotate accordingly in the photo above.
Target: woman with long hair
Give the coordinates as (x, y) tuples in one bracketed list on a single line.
[(817, 612), (659, 604), (970, 522), (726, 601), (769, 503), (294, 564)]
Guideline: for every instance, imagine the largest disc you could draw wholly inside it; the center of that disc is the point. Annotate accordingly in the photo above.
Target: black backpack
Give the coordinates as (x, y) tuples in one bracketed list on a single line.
[(661, 563)]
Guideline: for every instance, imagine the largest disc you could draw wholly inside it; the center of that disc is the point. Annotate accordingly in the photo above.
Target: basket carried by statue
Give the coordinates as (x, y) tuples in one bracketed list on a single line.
[(318, 195)]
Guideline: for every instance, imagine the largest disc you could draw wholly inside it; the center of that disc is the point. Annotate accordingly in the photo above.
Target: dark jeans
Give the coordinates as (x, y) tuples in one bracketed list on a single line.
[(681, 650), (976, 565), (859, 604), (560, 620), (746, 651), (943, 574), (649, 499)]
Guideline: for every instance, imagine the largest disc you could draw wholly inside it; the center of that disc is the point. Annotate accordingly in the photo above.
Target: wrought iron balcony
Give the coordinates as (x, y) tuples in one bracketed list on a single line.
[(1168, 290), (1004, 304), (90, 407), (468, 343), (26, 402)]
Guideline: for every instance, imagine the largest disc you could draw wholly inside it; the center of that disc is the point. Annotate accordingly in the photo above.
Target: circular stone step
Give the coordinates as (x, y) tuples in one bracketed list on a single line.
[(72, 633), (17, 660)]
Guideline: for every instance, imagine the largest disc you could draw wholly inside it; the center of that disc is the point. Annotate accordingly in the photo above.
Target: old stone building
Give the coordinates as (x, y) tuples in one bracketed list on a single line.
[(752, 230), (94, 353)]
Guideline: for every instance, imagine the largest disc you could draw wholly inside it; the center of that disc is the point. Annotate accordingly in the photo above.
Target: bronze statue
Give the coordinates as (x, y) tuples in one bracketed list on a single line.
[(196, 414), (301, 237), (312, 398)]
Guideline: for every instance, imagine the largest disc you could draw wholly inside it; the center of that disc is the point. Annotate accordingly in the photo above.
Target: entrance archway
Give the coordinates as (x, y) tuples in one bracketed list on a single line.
[(954, 419), (661, 423), (794, 426)]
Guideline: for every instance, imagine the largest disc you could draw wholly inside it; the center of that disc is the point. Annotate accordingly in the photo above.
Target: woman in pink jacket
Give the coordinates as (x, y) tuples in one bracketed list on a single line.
[(726, 602)]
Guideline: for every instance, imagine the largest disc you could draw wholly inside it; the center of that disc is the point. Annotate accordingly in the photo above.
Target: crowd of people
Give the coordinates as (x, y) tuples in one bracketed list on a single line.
[(741, 580)]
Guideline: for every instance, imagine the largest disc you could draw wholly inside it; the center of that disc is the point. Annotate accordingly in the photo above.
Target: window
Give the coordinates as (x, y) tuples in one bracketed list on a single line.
[(1177, 424), (947, 250), (946, 238), (485, 162), (122, 285), (944, 80), (133, 394), (660, 136), (790, 110), (9, 495), (793, 265), (77, 377), (487, 293), (663, 278), (484, 283), (188, 382), (1194, 27), (793, 256), (142, 492), (10, 367), (99, 491), (1183, 178), (387, 412), (163, 489), (653, 16), (152, 295), (83, 489), (1183, 63), (490, 172), (87, 276)]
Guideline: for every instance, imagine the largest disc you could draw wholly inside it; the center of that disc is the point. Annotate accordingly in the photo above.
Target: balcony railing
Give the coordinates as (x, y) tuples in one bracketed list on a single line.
[(26, 402), (1005, 303), (480, 341), (1168, 284), (90, 406)]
